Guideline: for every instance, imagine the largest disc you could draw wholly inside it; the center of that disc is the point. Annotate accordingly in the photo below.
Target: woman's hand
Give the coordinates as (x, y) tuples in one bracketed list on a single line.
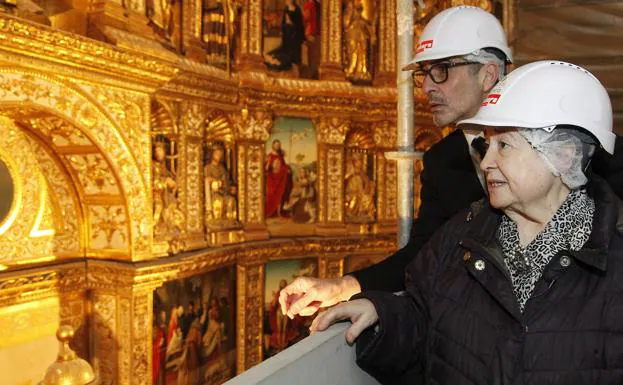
[(360, 312)]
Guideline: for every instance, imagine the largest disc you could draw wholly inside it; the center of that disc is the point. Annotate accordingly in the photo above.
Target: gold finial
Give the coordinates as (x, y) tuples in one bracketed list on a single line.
[(68, 369)]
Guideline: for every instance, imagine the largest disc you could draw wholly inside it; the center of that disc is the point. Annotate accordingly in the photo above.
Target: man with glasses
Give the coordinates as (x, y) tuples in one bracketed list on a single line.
[(460, 57)]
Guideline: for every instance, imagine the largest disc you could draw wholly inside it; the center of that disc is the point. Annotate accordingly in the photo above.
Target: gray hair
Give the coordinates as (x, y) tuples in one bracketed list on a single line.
[(487, 56)]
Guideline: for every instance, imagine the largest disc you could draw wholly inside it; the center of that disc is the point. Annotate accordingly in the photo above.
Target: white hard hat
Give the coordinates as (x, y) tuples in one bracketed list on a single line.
[(459, 31), (548, 93)]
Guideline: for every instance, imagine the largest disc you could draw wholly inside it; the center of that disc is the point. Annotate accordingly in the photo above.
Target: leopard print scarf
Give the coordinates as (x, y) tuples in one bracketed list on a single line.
[(568, 229)]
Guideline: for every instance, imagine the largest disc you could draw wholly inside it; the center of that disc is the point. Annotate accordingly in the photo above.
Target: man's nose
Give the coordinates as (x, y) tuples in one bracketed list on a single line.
[(428, 84)]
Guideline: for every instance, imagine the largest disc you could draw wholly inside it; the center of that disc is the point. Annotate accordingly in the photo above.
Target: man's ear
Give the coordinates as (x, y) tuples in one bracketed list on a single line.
[(490, 76)]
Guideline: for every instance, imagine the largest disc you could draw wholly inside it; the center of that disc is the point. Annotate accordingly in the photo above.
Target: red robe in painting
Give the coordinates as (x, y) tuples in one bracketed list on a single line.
[(158, 354), (310, 18), (278, 183)]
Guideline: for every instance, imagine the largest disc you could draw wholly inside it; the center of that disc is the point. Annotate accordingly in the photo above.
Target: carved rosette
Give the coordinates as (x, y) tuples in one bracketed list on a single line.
[(250, 288)]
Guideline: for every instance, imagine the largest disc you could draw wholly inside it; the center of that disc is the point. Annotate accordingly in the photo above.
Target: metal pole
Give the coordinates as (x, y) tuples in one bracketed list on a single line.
[(405, 155)]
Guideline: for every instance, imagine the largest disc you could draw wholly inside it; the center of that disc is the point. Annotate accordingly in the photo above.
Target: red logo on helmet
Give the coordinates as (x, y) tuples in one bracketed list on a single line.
[(491, 99), (426, 44)]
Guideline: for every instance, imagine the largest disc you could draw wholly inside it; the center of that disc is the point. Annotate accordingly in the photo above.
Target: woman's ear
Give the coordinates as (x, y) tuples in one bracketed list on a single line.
[(491, 74)]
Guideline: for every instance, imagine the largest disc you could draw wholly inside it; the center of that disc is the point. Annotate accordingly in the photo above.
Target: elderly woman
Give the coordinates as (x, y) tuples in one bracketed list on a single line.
[(526, 288)]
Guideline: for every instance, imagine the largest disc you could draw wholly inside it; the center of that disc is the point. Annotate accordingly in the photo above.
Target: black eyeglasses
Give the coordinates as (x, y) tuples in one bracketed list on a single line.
[(438, 72)]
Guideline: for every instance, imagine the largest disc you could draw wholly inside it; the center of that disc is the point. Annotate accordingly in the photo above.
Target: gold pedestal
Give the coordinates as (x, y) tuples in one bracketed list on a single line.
[(331, 72), (331, 229), (160, 248), (256, 233), (251, 63), (385, 228), (225, 237), (359, 228)]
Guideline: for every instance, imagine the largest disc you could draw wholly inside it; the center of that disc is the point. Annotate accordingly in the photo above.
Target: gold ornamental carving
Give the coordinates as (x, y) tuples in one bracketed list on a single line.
[(47, 93), (335, 184), (194, 204), (250, 286), (28, 228), (95, 175), (252, 125), (331, 130), (193, 117), (131, 111), (387, 33), (32, 40), (385, 135), (106, 344), (108, 227), (255, 190), (65, 203)]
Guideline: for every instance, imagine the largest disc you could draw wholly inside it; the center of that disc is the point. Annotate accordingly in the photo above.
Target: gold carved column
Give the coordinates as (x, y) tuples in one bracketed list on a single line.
[(250, 287), (121, 321), (386, 170), (386, 74), (331, 134), (252, 130), (192, 121), (331, 41), (251, 36)]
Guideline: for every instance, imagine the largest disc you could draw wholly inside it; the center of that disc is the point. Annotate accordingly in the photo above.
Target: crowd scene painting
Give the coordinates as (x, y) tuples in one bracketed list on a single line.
[(194, 335)]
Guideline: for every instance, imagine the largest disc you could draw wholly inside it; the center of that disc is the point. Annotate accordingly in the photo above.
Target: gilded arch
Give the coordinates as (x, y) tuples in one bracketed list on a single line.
[(66, 100)]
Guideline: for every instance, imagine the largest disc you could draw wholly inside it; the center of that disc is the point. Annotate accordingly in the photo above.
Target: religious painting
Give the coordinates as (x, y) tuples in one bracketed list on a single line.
[(292, 36), (279, 330), (194, 333), (291, 170), (220, 26)]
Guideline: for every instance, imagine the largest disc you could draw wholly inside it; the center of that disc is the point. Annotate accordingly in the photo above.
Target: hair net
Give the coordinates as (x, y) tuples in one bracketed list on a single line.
[(565, 152)]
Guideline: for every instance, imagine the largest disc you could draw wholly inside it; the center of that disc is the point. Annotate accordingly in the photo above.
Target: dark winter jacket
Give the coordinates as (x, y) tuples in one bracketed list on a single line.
[(461, 321)]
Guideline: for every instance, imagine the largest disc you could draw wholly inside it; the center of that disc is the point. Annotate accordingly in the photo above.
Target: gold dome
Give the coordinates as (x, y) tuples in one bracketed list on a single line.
[(68, 369)]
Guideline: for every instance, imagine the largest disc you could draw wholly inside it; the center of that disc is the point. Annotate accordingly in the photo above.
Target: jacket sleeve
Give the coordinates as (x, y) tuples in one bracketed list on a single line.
[(389, 274), (398, 342), (611, 167)]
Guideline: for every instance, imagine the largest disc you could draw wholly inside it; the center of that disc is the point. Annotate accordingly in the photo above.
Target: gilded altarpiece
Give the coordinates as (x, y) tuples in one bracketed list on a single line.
[(92, 118)]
